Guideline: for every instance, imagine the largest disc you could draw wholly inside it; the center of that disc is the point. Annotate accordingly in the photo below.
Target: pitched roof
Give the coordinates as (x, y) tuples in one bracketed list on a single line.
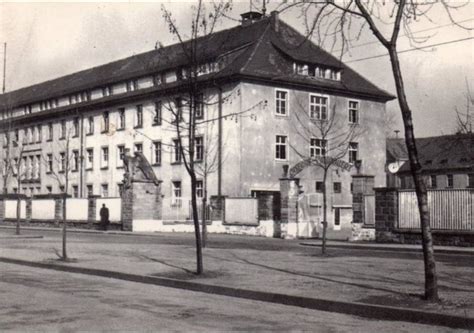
[(396, 150), (447, 152), (260, 52)]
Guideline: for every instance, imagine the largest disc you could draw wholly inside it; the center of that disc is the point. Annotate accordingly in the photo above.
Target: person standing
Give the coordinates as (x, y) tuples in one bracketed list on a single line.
[(104, 217)]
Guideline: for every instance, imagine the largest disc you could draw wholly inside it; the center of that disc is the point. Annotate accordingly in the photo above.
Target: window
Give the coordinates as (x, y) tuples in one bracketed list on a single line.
[(156, 153), (199, 148), (353, 151), (176, 194), (281, 102), (132, 85), (6, 139), (89, 158), (62, 134), (139, 117), (32, 135), (76, 127), (433, 183), (104, 190), (319, 187), (121, 120), (49, 163), (75, 191), (61, 188), (337, 187), (75, 160), (50, 132), (105, 122), (199, 106), (62, 161), (138, 147), (317, 147), (178, 112), (157, 79), (318, 107), (106, 91), (38, 134), (120, 155), (470, 180), (90, 125), (337, 216), (120, 189), (49, 189), (176, 152), (199, 189), (353, 112), (157, 114), (449, 180), (280, 147), (104, 160), (90, 190), (17, 136)]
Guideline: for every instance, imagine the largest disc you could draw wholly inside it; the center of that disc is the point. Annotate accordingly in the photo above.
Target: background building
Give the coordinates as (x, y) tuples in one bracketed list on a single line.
[(258, 80), (446, 161)]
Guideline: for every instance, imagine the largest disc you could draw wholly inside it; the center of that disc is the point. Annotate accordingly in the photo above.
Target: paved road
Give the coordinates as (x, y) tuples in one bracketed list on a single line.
[(43, 300)]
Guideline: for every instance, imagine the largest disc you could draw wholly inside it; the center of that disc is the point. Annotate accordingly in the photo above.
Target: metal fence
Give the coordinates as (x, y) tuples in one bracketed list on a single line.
[(451, 209)]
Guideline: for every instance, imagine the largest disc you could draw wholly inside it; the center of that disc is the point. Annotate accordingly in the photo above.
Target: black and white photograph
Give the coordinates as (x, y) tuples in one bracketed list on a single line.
[(251, 165)]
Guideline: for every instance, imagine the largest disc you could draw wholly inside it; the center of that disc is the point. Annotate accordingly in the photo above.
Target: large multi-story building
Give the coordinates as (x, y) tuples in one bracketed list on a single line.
[(264, 87)]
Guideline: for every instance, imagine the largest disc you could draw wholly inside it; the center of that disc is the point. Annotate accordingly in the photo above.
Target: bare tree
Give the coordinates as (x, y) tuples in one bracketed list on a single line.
[(329, 137), (346, 19), (464, 118), (203, 22), (66, 161)]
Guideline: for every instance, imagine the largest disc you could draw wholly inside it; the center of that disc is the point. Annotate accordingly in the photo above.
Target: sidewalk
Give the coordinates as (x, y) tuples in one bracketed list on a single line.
[(371, 279), (388, 246), (304, 242)]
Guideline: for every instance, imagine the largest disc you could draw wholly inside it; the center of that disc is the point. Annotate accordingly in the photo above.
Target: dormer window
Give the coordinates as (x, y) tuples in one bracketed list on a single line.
[(317, 71)]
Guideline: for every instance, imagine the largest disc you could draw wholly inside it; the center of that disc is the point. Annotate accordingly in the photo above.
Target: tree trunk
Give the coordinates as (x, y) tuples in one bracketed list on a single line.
[(197, 233), (64, 228), (204, 226), (18, 215), (325, 213), (431, 284)]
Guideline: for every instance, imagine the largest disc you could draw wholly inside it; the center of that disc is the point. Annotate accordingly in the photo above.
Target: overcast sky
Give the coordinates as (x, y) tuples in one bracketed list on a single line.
[(45, 41)]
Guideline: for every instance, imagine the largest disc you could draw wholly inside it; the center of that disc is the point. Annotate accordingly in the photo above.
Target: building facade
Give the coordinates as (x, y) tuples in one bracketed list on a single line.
[(447, 162), (264, 91)]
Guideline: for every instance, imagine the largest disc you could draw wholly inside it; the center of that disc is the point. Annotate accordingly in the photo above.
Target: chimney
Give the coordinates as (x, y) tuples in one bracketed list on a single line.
[(274, 20), (250, 17)]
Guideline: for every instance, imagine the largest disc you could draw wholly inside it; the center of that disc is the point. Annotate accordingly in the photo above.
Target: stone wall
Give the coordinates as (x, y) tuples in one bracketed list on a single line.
[(386, 215)]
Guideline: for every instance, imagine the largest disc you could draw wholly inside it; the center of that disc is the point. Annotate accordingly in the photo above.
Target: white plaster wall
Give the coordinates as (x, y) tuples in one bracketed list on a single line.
[(113, 204), (10, 209), (241, 210), (76, 209), (264, 229), (42, 209)]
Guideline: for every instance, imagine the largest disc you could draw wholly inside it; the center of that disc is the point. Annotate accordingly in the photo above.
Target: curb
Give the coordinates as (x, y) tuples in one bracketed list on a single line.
[(388, 248), (350, 308), (20, 237)]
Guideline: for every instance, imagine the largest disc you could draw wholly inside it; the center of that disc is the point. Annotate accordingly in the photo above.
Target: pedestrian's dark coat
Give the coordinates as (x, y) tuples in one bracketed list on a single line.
[(104, 216)]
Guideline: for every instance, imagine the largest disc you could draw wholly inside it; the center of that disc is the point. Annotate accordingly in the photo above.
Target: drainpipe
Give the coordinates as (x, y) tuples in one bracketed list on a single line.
[(81, 159), (219, 145)]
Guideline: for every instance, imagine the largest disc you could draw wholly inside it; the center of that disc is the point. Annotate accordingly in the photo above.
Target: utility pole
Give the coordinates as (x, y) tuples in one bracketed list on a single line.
[(4, 65)]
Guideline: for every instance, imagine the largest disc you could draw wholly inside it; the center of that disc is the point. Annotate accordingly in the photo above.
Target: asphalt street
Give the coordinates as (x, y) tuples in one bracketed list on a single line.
[(51, 301)]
